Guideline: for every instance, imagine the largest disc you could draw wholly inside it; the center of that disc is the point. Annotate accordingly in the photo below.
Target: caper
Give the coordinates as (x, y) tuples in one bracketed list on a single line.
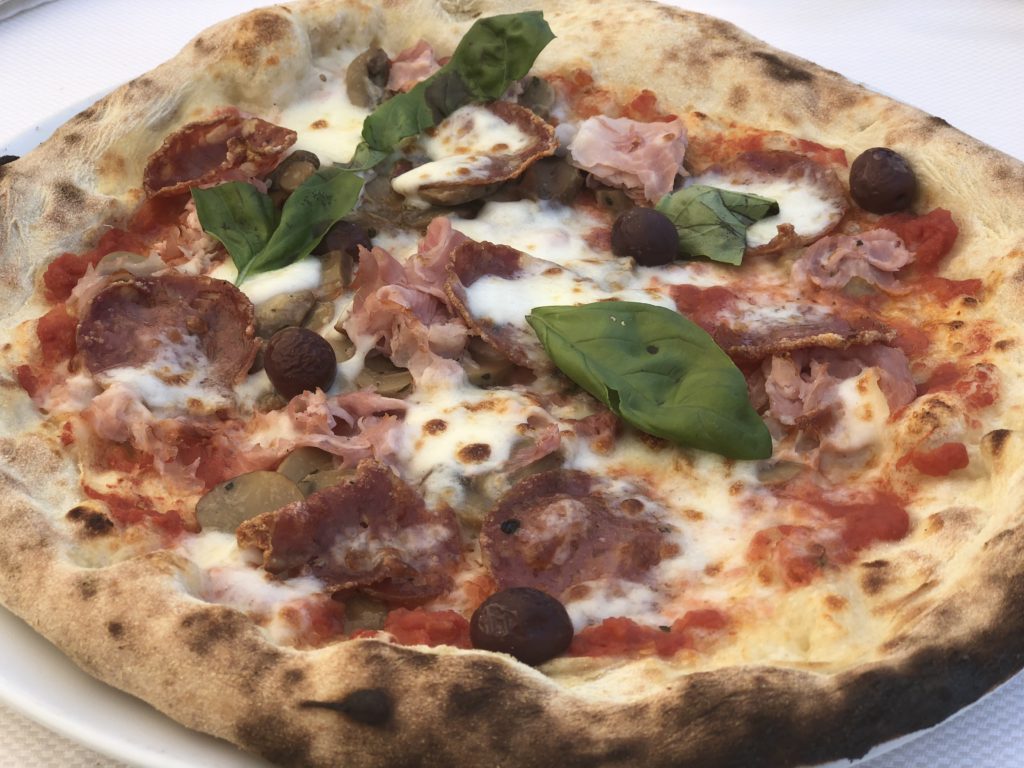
[(882, 181), (234, 501), (648, 235), (298, 360)]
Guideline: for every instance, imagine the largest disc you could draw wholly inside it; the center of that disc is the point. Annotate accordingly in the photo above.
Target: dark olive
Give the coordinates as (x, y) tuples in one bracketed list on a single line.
[(649, 236), (882, 181), (524, 622), (551, 178), (299, 360), (344, 236)]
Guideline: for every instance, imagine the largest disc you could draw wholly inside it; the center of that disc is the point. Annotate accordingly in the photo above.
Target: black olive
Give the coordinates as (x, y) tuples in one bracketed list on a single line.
[(524, 622), (298, 360), (344, 236), (649, 236), (882, 181)]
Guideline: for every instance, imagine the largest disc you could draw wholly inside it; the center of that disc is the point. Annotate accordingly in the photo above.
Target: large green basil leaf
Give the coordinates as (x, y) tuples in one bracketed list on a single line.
[(493, 54), (713, 222), (246, 221), (658, 371), (240, 216)]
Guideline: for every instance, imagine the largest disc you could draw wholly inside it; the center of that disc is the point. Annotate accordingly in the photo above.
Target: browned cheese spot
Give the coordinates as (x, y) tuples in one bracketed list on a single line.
[(875, 576), (318, 125), (474, 453), (835, 602), (995, 442), (738, 96), (435, 427)]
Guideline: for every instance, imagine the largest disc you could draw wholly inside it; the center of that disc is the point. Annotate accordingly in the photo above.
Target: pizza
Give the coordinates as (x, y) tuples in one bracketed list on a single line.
[(475, 391)]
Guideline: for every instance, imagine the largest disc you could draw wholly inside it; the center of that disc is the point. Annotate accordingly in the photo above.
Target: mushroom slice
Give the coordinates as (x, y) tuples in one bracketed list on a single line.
[(234, 501), (811, 198), (305, 461), (474, 150), (328, 478)]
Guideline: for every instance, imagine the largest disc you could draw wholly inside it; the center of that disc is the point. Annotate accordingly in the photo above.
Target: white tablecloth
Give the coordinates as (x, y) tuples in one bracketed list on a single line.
[(963, 61)]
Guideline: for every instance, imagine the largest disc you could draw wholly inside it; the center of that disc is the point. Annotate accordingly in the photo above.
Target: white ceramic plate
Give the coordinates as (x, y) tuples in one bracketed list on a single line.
[(891, 46)]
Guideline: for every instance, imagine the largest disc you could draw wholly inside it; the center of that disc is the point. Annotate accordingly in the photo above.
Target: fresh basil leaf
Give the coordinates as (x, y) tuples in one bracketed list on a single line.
[(318, 203), (240, 216), (494, 53), (713, 222), (658, 371)]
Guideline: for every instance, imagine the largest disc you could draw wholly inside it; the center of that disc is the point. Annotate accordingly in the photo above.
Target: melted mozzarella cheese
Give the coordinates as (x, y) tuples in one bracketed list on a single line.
[(326, 122), (174, 380), (799, 205), (865, 413), (462, 148), (302, 275), (606, 599)]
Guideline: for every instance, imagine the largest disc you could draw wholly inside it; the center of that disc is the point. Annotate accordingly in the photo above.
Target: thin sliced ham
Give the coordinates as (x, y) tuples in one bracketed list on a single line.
[(409, 67), (873, 257), (629, 154)]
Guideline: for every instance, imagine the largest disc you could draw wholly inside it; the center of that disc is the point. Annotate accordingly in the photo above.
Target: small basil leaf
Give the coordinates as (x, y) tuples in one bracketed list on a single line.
[(318, 203), (658, 371), (240, 216), (494, 53), (713, 222)]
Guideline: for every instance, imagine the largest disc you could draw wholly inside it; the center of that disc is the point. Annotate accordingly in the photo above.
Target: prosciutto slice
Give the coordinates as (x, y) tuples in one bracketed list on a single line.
[(627, 153), (415, 63), (874, 257)]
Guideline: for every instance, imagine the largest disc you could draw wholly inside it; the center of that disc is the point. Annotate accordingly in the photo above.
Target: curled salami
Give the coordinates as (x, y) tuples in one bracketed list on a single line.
[(228, 147), (373, 534), (556, 529), (192, 324)]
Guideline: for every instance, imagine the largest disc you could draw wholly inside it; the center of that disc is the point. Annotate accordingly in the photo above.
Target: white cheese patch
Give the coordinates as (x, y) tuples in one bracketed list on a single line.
[(462, 148), (230, 576), (606, 599), (799, 204), (302, 275), (865, 413), (326, 122), (174, 380)]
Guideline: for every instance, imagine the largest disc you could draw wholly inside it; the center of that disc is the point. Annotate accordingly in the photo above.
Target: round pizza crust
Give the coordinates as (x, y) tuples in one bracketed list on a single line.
[(136, 625)]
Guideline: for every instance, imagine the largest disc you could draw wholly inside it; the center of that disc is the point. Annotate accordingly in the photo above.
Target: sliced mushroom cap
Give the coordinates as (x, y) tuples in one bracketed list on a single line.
[(366, 78), (551, 178), (382, 376), (537, 96), (328, 478), (234, 501), (291, 173), (282, 311), (474, 150), (305, 461), (485, 366)]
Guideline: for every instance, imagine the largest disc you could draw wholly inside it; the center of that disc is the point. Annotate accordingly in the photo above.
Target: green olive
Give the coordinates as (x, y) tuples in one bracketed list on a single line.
[(305, 461), (231, 503)]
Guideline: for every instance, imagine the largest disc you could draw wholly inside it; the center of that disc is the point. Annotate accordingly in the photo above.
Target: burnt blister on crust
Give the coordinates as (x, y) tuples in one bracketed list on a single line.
[(368, 706), (93, 522)]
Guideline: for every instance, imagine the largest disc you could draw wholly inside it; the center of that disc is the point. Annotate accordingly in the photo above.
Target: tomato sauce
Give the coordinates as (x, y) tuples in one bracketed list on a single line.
[(937, 462), (619, 636), (422, 627)]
